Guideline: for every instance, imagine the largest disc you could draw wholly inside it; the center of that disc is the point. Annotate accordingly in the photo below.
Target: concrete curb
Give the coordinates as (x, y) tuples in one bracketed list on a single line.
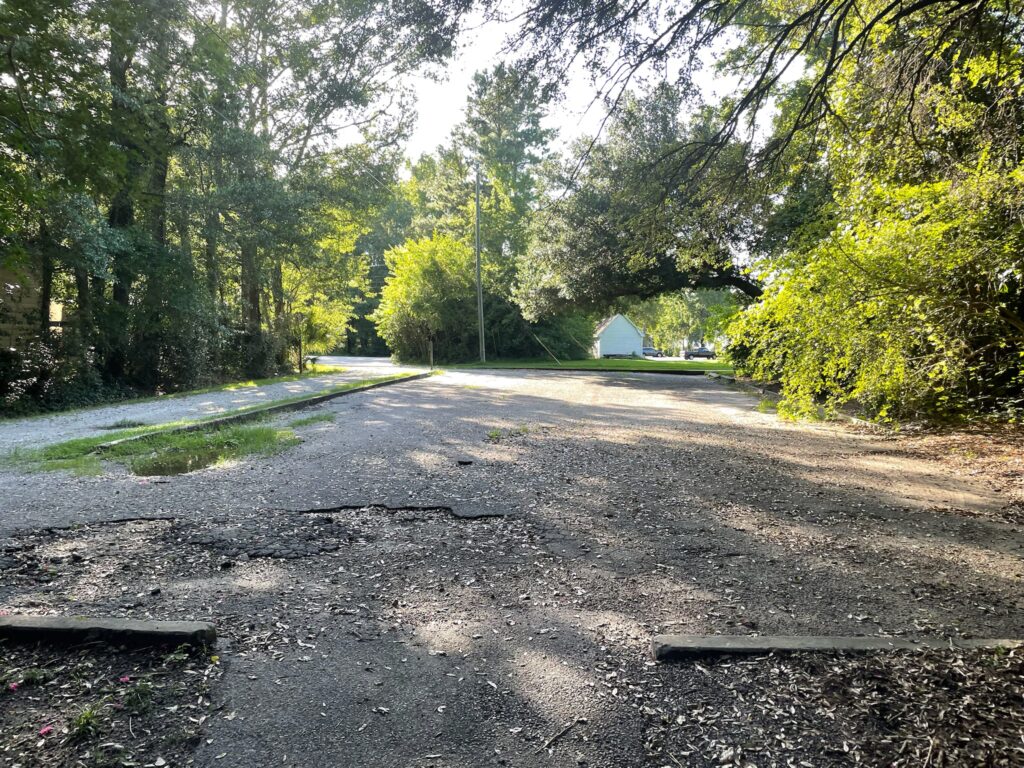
[(79, 629), (681, 647), (260, 412)]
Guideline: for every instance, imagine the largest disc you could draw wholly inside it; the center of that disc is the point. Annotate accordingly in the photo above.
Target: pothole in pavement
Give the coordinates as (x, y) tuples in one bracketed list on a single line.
[(286, 537), (407, 513), (173, 568), (44, 555), (48, 555)]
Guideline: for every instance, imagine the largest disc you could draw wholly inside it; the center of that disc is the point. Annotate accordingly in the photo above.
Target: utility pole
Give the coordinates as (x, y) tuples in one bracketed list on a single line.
[(479, 286)]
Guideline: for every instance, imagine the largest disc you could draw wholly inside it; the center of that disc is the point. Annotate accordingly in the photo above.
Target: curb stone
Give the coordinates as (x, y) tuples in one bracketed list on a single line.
[(260, 412), (76, 629), (680, 647)]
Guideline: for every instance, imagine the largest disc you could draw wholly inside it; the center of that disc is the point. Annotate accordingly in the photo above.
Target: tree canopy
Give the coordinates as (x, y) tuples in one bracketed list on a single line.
[(172, 177), (612, 229)]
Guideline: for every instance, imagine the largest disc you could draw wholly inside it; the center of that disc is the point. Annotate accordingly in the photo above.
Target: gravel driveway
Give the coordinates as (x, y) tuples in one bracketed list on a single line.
[(467, 571), (55, 428)]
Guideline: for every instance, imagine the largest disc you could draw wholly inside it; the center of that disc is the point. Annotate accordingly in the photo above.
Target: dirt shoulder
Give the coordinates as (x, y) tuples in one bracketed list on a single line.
[(989, 454)]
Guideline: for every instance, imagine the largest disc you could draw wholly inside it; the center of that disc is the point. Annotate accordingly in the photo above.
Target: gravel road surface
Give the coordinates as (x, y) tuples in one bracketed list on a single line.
[(467, 571)]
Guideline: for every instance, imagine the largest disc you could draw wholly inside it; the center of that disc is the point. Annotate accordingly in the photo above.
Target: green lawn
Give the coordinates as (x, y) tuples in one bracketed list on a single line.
[(171, 453), (627, 364)]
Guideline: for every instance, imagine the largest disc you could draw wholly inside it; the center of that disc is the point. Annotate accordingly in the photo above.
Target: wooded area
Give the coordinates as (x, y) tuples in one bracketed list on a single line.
[(173, 177), (209, 189)]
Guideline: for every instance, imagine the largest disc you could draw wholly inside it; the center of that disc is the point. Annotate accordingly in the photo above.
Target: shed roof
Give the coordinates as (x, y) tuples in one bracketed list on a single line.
[(608, 321)]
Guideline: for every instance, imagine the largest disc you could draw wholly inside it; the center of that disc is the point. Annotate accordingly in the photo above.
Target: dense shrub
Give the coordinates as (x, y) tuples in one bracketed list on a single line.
[(912, 306)]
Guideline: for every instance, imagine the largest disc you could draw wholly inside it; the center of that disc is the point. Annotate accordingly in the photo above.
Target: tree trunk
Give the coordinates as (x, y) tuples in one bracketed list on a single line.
[(121, 214), (211, 232), (250, 283), (158, 191), (730, 279), (164, 276), (184, 226), (255, 351), (45, 281), (83, 310), (281, 325), (277, 290)]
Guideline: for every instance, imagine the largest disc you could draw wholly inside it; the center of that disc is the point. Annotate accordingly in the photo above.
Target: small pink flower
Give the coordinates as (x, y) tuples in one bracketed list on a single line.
[(46, 730), (14, 686), (125, 679)]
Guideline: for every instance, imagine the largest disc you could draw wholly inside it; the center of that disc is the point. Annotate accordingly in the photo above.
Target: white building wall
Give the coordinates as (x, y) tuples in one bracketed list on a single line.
[(620, 337)]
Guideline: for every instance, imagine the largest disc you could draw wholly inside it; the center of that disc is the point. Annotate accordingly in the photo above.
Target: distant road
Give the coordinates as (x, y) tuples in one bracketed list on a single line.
[(87, 422)]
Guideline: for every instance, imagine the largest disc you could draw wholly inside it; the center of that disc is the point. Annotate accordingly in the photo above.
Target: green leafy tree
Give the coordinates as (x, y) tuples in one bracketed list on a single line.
[(612, 230), (680, 319), (429, 299), (903, 295), (504, 137), (173, 174)]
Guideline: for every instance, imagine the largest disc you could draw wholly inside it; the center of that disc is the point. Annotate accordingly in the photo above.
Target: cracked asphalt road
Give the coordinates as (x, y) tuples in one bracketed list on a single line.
[(632, 504)]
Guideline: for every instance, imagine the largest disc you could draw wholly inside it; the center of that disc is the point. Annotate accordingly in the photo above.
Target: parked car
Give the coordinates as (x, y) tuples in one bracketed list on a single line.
[(693, 354), (652, 352)]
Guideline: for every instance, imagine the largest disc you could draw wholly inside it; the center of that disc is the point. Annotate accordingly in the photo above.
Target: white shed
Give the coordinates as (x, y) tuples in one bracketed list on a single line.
[(618, 337)]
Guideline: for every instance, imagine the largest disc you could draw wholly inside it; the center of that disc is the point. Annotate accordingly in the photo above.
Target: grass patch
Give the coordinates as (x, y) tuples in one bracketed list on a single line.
[(315, 419), (86, 465), (139, 698), (182, 452), (496, 435), (767, 405), (625, 364), (163, 453), (124, 424), (85, 724)]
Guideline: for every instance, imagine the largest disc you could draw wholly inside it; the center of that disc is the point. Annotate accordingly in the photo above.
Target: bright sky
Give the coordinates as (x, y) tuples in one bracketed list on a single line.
[(442, 105)]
